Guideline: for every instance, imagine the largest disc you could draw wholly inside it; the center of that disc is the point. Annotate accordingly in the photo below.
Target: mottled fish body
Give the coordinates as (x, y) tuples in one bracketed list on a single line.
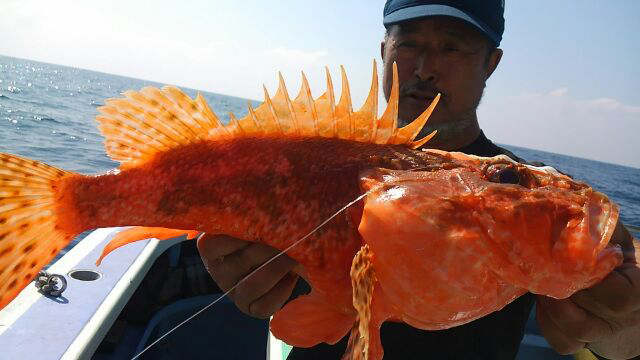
[(439, 240)]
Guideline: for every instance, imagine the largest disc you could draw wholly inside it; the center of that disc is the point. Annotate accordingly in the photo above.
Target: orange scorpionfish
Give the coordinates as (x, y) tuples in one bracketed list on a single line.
[(437, 241)]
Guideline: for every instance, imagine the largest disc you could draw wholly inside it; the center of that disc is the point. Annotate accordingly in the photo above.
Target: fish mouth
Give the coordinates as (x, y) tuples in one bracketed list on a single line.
[(603, 215)]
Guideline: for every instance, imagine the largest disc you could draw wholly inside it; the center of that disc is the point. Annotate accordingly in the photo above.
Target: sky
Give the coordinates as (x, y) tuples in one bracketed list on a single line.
[(569, 80)]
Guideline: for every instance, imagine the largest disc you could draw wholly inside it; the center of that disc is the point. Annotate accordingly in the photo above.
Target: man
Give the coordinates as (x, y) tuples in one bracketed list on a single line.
[(451, 48)]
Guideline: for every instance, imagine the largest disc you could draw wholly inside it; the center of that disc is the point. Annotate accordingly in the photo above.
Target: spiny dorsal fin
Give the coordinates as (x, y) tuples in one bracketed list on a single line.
[(344, 110), (364, 120), (151, 120), (305, 109), (326, 110)]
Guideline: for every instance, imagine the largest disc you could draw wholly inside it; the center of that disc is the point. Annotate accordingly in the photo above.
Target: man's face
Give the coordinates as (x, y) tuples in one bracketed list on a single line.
[(437, 55)]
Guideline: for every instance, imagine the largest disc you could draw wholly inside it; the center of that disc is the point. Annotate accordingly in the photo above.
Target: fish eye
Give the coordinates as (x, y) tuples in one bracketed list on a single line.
[(503, 174)]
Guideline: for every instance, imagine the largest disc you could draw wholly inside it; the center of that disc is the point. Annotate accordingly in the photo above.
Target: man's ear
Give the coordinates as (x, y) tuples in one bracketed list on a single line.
[(493, 61), (382, 50)]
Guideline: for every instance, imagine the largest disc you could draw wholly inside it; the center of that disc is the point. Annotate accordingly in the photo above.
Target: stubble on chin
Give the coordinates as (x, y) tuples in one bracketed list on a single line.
[(450, 132)]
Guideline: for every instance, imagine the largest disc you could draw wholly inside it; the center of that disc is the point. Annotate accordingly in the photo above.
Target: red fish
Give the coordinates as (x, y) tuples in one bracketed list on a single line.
[(438, 240)]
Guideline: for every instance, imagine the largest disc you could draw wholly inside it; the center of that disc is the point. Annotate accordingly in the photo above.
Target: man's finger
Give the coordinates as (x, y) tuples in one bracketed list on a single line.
[(617, 320), (260, 283), (230, 261), (588, 302), (556, 337), (227, 271), (273, 300), (620, 290), (576, 323), (216, 246)]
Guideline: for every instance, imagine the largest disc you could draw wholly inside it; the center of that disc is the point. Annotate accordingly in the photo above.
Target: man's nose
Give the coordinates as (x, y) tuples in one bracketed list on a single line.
[(427, 67)]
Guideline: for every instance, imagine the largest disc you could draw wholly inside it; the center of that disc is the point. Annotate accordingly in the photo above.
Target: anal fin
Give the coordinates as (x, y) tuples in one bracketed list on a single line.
[(309, 320), (133, 234)]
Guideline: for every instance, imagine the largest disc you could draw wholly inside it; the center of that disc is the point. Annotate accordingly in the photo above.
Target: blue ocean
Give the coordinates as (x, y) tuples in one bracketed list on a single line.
[(47, 113)]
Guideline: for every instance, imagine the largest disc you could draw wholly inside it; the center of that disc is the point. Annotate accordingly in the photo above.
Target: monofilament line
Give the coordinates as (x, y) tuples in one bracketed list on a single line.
[(256, 270)]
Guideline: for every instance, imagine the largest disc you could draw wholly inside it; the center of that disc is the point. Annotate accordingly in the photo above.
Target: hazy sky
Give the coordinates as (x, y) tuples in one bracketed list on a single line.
[(569, 81)]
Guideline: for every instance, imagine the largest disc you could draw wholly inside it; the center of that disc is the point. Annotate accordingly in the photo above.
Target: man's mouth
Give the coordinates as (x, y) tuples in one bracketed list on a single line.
[(422, 97)]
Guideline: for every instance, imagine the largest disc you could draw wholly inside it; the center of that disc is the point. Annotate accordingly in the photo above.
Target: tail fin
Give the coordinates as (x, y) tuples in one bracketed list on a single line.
[(29, 234)]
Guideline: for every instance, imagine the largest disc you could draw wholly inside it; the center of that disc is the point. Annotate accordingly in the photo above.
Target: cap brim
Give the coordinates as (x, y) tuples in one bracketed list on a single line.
[(419, 11)]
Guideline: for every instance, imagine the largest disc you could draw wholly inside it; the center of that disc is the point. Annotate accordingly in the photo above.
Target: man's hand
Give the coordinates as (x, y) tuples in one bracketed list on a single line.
[(229, 260), (606, 317)]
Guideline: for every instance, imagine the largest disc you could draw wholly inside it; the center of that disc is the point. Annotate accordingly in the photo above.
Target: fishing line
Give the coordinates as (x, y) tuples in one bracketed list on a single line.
[(256, 270), (375, 188), (297, 242)]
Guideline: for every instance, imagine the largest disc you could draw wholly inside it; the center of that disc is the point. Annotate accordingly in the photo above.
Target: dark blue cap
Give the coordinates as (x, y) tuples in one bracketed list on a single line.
[(486, 15)]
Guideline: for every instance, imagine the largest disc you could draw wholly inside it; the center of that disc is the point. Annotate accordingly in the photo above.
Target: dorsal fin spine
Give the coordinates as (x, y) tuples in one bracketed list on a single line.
[(134, 134), (272, 110), (111, 108), (173, 114), (306, 93), (332, 102), (185, 102), (287, 99), (395, 98), (233, 120), (421, 121), (255, 120), (391, 114), (424, 140), (105, 127), (214, 121), (373, 93), (159, 126), (168, 114), (121, 144), (345, 101), (234, 126)]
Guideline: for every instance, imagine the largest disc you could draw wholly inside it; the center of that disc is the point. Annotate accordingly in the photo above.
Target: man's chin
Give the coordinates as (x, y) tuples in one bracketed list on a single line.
[(406, 117), (411, 108)]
